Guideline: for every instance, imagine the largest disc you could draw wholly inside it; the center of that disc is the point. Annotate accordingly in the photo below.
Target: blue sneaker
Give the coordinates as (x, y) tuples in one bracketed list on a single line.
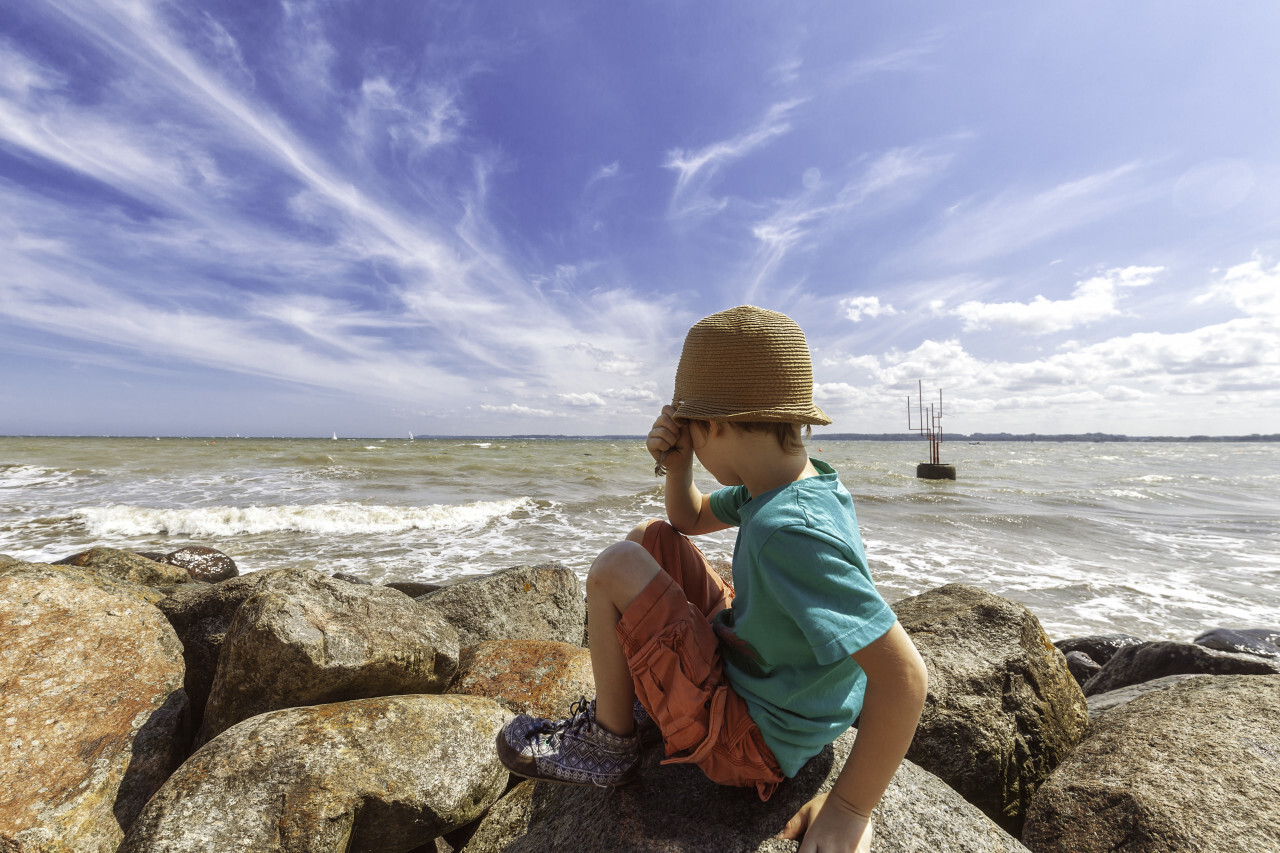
[(572, 751)]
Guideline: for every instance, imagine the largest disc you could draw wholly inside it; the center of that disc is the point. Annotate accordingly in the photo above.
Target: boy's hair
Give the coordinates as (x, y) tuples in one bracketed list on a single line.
[(789, 438)]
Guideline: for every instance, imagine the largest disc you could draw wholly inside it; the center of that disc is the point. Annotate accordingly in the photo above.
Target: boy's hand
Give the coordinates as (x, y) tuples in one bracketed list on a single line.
[(668, 441), (829, 825)]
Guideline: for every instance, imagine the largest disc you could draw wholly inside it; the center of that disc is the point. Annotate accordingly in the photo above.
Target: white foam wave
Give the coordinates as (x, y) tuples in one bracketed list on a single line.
[(21, 476), (325, 519)]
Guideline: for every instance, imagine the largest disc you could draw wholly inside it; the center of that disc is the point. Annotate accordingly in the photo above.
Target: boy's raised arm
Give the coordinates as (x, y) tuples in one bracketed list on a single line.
[(688, 510), (896, 687)]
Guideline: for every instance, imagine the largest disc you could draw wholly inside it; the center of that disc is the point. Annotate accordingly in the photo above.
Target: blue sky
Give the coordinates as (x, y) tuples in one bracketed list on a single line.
[(376, 217)]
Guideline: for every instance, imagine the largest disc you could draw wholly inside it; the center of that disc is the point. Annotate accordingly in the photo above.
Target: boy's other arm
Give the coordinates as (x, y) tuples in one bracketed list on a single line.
[(688, 510), (896, 687)]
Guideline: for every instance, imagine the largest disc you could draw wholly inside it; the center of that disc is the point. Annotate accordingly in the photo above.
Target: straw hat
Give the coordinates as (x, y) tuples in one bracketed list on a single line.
[(747, 364)]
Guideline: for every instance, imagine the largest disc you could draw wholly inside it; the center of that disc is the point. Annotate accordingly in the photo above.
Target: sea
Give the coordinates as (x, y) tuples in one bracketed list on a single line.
[(1163, 540)]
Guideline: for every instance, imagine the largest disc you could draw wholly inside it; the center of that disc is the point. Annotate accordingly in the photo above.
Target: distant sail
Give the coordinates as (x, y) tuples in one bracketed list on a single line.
[(335, 436)]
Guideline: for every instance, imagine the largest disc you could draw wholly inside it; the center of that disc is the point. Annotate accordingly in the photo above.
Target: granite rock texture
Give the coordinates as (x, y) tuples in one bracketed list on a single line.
[(92, 711), (303, 638), (386, 774), (1002, 708), (1189, 768)]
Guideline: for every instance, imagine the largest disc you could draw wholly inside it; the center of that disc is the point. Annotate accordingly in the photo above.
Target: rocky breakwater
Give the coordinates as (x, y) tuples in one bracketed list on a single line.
[(343, 716)]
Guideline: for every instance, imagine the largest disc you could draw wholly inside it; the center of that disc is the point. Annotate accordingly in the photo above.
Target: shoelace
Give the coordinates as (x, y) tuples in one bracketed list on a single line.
[(555, 729)]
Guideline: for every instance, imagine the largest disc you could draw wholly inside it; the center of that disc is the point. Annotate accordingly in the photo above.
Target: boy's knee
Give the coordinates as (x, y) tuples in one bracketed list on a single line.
[(637, 533)]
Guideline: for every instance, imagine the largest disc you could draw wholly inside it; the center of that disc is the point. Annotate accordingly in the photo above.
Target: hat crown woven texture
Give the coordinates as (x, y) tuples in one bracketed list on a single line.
[(747, 364)]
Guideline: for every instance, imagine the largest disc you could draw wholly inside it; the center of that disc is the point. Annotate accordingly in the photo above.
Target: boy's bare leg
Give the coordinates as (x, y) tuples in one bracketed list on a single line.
[(617, 577)]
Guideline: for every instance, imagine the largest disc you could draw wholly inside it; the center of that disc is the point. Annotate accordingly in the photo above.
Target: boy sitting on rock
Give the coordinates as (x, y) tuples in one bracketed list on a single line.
[(747, 684)]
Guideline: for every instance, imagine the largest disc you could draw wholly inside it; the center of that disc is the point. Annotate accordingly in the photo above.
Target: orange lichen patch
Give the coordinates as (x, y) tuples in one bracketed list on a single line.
[(538, 677)]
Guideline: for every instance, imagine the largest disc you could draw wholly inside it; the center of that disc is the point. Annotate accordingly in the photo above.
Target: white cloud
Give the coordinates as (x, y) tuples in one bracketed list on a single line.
[(696, 168), (857, 307), (1251, 287), (582, 401), (1092, 300), (517, 409)]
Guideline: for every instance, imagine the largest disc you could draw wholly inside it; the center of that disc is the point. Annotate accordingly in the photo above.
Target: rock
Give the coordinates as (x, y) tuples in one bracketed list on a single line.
[(203, 564), (674, 808), (537, 677), (122, 565), (543, 602), (92, 711), (1102, 702), (1189, 768), (1081, 666), (413, 589), (1002, 709), (383, 774), (1099, 647), (151, 595), (302, 638), (200, 614), (350, 578), (1249, 641), (1135, 664)]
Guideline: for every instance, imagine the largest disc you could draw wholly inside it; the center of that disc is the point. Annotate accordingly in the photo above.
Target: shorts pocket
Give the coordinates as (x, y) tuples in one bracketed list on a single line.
[(675, 675)]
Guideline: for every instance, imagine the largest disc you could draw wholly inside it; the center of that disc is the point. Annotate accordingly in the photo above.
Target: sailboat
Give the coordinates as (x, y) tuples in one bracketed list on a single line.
[(335, 436), (411, 435)]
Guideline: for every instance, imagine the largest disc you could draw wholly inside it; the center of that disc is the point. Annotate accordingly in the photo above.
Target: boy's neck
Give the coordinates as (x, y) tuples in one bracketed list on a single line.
[(761, 463)]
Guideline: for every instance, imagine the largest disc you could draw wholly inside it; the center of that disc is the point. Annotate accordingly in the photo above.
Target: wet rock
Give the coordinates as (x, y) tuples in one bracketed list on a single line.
[(537, 677), (674, 808), (126, 566), (1190, 768), (1099, 647), (203, 564), (302, 638), (92, 711), (1264, 642), (1148, 661), (543, 602), (350, 578), (1002, 709), (382, 774), (1081, 666)]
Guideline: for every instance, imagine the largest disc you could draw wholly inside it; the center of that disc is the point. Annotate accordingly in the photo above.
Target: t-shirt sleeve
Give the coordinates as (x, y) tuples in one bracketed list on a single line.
[(726, 503), (828, 590)]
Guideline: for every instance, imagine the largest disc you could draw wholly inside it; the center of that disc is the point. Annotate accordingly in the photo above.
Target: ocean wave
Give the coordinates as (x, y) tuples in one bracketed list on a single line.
[(342, 519), (24, 476)]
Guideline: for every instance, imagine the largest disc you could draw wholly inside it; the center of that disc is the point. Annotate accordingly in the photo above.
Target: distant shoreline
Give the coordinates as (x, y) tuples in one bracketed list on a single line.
[(972, 438)]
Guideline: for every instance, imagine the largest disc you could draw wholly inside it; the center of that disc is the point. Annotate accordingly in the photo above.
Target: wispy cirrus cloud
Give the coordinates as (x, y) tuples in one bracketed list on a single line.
[(697, 169)]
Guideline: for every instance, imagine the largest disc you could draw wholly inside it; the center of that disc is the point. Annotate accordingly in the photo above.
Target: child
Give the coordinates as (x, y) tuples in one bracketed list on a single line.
[(747, 684)]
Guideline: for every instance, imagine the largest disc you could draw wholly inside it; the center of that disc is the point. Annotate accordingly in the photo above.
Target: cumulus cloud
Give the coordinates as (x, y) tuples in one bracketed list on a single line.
[(1092, 300), (517, 409), (857, 307), (1251, 287), (582, 401)]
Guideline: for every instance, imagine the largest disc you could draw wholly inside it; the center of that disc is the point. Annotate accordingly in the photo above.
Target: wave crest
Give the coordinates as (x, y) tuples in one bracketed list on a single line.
[(328, 519)]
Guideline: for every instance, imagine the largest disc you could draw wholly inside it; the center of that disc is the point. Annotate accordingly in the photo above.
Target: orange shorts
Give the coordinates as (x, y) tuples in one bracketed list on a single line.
[(675, 662)]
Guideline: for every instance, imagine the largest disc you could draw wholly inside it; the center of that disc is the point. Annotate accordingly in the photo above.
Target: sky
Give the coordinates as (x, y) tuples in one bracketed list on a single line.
[(380, 217)]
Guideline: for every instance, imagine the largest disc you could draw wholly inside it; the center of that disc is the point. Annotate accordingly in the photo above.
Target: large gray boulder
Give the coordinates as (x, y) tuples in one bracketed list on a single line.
[(543, 602), (92, 712), (535, 677), (127, 566), (387, 774), (94, 578), (303, 638), (1190, 768), (674, 808), (1002, 708), (201, 613), (1149, 661)]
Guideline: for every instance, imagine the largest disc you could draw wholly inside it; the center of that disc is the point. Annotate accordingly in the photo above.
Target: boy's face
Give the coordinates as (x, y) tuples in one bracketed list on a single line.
[(711, 442)]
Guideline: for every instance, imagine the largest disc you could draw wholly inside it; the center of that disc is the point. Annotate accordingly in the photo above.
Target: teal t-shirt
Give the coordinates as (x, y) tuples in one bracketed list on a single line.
[(803, 603)]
